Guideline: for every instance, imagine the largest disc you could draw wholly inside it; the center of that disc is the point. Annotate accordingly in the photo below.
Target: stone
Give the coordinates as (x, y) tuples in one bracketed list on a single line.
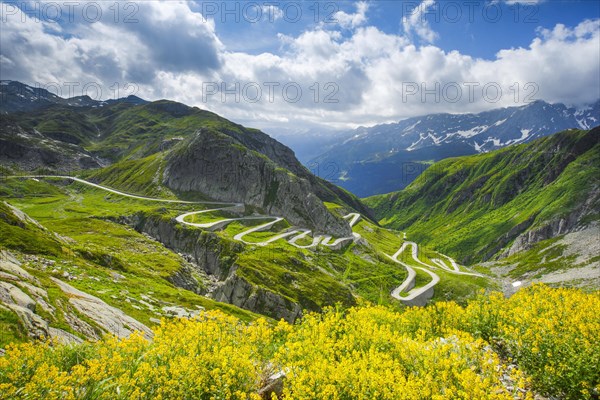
[(11, 294), (239, 175), (9, 264), (109, 318)]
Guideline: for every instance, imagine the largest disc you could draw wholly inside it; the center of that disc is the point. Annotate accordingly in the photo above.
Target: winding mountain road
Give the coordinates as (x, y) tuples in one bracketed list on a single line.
[(420, 296), (323, 240), (413, 295)]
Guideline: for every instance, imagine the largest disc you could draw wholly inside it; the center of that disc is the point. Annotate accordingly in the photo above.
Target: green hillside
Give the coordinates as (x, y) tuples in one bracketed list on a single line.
[(480, 207)]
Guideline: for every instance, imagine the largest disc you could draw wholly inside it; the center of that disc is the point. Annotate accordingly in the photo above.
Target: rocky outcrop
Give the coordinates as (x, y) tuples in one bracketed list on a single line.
[(207, 251), (572, 222), (185, 279), (284, 157), (237, 291), (505, 239), (10, 294), (216, 256), (222, 168), (23, 295), (110, 319), (30, 150)]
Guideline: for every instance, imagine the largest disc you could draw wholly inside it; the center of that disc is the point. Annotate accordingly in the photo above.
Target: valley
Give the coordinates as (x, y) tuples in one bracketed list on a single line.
[(263, 235), (341, 200), (249, 230), (135, 216), (510, 210)]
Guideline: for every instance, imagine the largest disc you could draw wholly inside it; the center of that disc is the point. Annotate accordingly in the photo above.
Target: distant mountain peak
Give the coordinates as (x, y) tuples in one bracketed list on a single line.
[(377, 159), (19, 97)]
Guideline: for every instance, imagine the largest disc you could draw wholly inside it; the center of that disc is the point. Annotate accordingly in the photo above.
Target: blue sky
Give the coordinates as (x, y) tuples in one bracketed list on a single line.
[(476, 28), (310, 65)]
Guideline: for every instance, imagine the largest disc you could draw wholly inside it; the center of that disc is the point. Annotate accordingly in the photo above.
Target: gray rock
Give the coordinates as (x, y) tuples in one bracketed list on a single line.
[(208, 252), (23, 217), (40, 296), (80, 326), (116, 276), (180, 312), (184, 278), (109, 318), (217, 165), (5, 276), (273, 385), (11, 294), (557, 227), (63, 337), (35, 325), (239, 292), (11, 265)]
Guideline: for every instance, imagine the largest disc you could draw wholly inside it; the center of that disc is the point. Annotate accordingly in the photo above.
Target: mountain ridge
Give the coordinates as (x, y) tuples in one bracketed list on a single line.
[(502, 204), (58, 135), (394, 154)]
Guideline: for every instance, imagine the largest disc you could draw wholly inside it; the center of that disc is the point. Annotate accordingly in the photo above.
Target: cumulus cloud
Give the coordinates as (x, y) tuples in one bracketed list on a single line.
[(351, 21), (272, 13), (160, 36), (416, 22), (322, 75)]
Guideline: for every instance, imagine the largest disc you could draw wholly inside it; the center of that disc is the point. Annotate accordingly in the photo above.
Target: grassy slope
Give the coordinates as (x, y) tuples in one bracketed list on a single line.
[(462, 206), (124, 133), (121, 131), (94, 250), (134, 135), (313, 278)]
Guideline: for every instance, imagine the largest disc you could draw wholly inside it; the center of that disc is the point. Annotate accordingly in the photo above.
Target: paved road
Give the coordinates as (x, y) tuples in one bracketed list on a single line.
[(414, 296), (323, 240), (420, 295)]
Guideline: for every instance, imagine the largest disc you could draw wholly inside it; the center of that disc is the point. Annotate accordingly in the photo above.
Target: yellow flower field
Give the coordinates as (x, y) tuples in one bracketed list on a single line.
[(443, 351)]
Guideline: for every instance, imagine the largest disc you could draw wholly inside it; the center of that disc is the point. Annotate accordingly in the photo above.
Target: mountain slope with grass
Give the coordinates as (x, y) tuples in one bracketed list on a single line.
[(204, 155), (383, 158), (101, 239), (72, 276), (523, 205)]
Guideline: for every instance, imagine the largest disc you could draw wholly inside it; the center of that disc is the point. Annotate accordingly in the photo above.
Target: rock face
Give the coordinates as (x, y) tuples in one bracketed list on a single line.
[(216, 257), (109, 318), (222, 168), (561, 226), (23, 295), (207, 156), (9, 293), (14, 283), (235, 290), (30, 150), (206, 250)]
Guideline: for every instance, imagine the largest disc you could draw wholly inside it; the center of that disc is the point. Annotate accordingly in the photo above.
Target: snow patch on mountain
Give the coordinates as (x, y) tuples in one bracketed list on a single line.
[(471, 132)]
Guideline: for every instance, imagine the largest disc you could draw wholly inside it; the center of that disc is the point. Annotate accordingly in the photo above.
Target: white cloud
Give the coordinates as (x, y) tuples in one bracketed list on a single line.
[(272, 13), (366, 70), (168, 36), (417, 22), (351, 21)]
